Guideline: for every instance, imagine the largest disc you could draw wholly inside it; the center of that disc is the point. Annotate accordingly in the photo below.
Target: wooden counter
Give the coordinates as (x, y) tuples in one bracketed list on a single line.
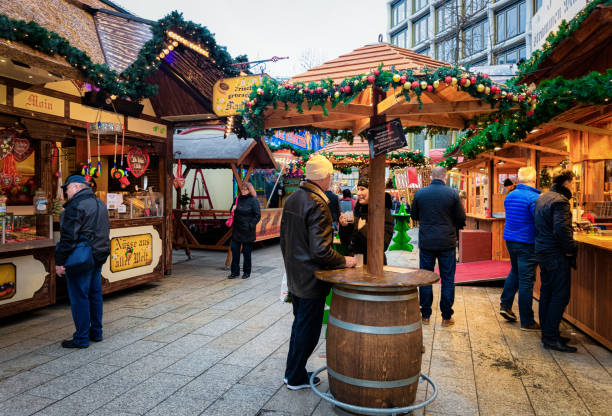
[(590, 306), (496, 227), (30, 265)]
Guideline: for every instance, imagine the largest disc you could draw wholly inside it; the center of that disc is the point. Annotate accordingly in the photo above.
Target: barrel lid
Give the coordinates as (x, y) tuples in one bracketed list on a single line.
[(392, 277)]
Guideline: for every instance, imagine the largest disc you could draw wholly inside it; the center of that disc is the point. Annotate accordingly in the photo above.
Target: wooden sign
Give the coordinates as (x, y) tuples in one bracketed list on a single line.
[(138, 161), (28, 100), (229, 94), (386, 138), (130, 252)]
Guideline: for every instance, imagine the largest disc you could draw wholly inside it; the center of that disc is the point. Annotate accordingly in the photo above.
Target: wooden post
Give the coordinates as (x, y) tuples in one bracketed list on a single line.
[(376, 208), (166, 166)]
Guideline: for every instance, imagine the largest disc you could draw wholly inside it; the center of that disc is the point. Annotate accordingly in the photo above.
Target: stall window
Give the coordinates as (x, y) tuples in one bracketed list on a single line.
[(475, 38), (510, 22), (399, 38), (420, 30), (511, 56), (398, 12), (446, 15)]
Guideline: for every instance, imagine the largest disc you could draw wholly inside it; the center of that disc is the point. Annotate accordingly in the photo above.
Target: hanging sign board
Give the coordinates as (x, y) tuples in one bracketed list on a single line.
[(28, 100), (386, 138), (130, 252), (229, 94)]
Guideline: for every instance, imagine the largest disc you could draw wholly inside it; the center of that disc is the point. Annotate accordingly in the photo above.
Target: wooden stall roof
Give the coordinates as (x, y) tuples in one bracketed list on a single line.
[(445, 107), (359, 147), (588, 48), (208, 149)]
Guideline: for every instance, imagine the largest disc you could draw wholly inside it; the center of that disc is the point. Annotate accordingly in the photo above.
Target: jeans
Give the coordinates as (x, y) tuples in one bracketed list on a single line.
[(246, 253), (521, 278), (85, 294), (447, 264), (554, 294), (305, 333)]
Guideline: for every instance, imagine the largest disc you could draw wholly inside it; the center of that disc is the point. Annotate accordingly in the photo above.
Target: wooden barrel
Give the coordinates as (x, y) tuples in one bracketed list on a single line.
[(374, 340)]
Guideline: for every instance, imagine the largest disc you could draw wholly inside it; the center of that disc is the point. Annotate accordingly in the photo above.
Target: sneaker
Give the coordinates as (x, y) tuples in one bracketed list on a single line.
[(306, 385), (285, 380), (448, 322), (507, 314), (425, 321), (232, 276), (533, 327), (68, 343)]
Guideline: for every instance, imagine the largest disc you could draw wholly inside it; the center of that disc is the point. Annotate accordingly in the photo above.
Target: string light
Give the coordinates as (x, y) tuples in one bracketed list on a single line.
[(229, 125), (193, 46)]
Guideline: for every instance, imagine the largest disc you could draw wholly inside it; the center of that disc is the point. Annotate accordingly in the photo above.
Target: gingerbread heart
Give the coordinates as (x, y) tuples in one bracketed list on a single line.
[(22, 149), (138, 161)]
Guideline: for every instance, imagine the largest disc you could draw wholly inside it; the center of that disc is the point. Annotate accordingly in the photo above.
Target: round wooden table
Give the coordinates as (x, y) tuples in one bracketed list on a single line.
[(374, 335)]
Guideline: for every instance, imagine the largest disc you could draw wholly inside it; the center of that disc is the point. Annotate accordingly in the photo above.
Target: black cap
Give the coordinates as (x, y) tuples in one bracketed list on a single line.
[(74, 179)]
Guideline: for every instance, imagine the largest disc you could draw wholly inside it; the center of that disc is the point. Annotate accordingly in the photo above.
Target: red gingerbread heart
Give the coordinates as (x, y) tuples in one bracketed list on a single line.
[(138, 161), (22, 149)]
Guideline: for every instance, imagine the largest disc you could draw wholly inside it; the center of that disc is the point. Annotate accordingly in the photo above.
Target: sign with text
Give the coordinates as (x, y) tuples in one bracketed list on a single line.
[(130, 252), (229, 94), (386, 138), (28, 100), (549, 16), (2, 94)]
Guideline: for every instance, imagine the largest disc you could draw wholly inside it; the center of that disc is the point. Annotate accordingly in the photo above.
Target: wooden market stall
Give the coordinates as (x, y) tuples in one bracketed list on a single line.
[(202, 226), (580, 139), (75, 70), (372, 302)]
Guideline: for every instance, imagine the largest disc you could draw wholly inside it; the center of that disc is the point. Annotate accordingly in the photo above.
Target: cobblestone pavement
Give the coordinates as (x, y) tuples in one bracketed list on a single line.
[(197, 343)]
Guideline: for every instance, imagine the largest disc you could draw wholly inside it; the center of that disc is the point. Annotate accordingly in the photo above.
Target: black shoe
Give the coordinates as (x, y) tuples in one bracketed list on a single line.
[(95, 339), (232, 276), (559, 346), (507, 314), (564, 340), (246, 276), (67, 343)]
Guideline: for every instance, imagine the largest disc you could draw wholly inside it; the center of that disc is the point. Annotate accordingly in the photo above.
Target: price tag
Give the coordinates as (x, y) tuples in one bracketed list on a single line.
[(121, 209)]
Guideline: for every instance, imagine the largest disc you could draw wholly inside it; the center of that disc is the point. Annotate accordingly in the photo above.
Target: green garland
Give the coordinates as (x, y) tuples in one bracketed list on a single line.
[(555, 38), (271, 92), (429, 131), (131, 82), (554, 97), (545, 179)]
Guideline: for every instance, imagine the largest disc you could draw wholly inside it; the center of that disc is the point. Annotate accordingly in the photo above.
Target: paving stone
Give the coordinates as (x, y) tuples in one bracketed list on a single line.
[(218, 327), (67, 384), (233, 339), (23, 363), (269, 373), (131, 353), (197, 362), (21, 348), (147, 395), (451, 341), (240, 400), (180, 405), (299, 402), (24, 405), (69, 362), (21, 382), (456, 364), (172, 332), (459, 397), (183, 346)]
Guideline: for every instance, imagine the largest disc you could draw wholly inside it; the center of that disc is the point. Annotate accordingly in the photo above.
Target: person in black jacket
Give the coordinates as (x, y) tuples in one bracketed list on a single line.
[(440, 214), (555, 251), (334, 206), (306, 243), (246, 216), (85, 218)]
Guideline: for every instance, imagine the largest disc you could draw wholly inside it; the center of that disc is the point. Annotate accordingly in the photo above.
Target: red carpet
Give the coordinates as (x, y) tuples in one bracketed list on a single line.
[(481, 270)]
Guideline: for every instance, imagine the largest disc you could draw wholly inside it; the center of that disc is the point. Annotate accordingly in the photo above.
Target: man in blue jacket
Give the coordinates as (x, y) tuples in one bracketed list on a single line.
[(519, 233), (440, 214)]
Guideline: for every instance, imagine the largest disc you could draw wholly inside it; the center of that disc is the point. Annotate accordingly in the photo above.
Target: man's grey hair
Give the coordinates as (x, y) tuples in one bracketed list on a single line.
[(80, 186), (438, 172)]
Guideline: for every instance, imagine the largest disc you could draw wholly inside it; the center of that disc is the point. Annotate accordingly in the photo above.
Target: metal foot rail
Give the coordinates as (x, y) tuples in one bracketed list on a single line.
[(373, 410)]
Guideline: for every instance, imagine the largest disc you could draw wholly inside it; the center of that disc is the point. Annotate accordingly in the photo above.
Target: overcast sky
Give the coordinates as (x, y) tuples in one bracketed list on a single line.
[(262, 29)]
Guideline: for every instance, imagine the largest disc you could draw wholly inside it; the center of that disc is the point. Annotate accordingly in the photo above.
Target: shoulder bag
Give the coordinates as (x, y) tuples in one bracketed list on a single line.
[(230, 220)]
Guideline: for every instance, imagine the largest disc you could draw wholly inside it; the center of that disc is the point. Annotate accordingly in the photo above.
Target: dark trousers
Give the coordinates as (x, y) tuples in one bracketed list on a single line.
[(305, 333), (554, 294), (521, 278), (447, 264), (246, 252), (85, 294)]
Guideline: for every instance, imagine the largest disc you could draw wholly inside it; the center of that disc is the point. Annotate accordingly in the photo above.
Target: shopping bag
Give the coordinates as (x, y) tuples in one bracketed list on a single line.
[(285, 296)]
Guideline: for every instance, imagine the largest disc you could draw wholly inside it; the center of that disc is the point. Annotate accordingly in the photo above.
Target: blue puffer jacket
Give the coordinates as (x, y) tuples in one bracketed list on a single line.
[(520, 212)]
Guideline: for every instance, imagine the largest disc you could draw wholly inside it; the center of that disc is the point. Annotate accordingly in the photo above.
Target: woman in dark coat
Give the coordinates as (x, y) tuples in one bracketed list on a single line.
[(246, 216)]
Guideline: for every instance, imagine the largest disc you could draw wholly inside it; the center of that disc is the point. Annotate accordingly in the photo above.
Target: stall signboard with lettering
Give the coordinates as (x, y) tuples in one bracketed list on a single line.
[(229, 94), (2, 94), (386, 138), (40, 103), (130, 252), (549, 16)]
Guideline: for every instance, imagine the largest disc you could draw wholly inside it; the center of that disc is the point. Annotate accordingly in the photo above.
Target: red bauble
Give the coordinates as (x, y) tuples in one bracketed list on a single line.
[(462, 81), (403, 79), (248, 104), (414, 85), (521, 98), (448, 79), (509, 96), (429, 88), (306, 90), (255, 100), (286, 86), (485, 75), (376, 72), (371, 79), (347, 89), (473, 80), (319, 90)]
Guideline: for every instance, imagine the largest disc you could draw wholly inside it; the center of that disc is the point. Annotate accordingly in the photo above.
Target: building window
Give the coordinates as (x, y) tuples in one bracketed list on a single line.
[(475, 38), (536, 5), (424, 51), (420, 30), (418, 5), (510, 22), (447, 50), (400, 38), (398, 12), (480, 62), (511, 56), (475, 6), (446, 15)]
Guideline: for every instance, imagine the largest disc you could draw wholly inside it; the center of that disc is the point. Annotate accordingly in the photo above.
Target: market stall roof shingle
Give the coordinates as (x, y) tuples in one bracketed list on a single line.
[(208, 149)]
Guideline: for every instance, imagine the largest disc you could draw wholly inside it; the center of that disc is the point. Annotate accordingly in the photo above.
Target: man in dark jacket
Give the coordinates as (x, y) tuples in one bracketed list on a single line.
[(555, 251), (85, 218), (440, 214), (334, 206), (306, 243), (519, 233)]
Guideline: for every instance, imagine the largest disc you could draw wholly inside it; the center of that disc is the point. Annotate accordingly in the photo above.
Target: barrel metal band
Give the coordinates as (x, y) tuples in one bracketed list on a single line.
[(374, 298), (377, 330), (373, 384), (376, 288)]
